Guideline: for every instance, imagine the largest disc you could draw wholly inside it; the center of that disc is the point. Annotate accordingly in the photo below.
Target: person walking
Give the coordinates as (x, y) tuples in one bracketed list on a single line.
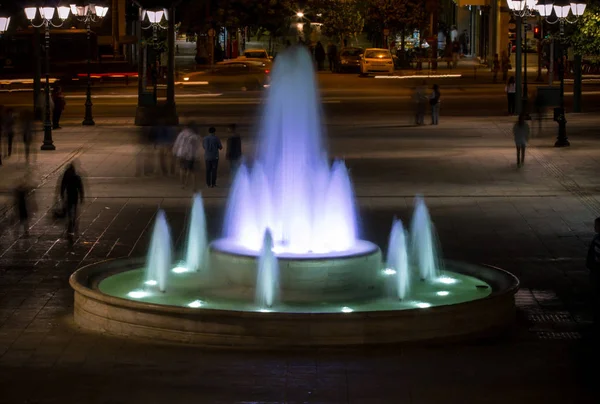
[(28, 128), (22, 203), (420, 99), (332, 57), (71, 192), (320, 55), (495, 68), (434, 101), (593, 265), (521, 135), (234, 150), (58, 99), (511, 94), (8, 123), (185, 149), (211, 145), (505, 66)]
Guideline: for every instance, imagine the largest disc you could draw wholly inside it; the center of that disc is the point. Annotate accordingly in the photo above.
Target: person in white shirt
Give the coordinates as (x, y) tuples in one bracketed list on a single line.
[(511, 94)]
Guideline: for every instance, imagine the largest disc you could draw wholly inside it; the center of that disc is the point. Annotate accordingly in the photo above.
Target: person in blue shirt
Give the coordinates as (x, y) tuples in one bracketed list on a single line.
[(211, 145)]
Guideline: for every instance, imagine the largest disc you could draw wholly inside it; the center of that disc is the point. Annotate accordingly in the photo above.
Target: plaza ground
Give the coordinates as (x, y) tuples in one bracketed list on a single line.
[(535, 222)]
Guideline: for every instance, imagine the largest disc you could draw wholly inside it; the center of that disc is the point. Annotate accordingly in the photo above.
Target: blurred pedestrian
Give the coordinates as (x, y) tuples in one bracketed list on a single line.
[(434, 101), (332, 56), (511, 94), (234, 149), (185, 149), (28, 128), (593, 265), (58, 99), (163, 137), (72, 193), (495, 68), (320, 55), (420, 99), (521, 136), (455, 53), (143, 159), (505, 65), (211, 145), (8, 123), (23, 205)]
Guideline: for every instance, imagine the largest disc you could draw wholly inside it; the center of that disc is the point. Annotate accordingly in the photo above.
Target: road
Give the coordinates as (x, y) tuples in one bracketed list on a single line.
[(346, 98)]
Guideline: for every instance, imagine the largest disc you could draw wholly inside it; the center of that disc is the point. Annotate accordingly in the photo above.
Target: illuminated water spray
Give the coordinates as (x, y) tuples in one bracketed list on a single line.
[(267, 281), (159, 260), (291, 189), (196, 248), (423, 242), (397, 260)]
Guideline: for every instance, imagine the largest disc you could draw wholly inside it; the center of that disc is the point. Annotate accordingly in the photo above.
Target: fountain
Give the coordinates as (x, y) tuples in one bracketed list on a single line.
[(290, 268), (159, 254), (267, 284), (397, 259), (423, 242), (196, 248)]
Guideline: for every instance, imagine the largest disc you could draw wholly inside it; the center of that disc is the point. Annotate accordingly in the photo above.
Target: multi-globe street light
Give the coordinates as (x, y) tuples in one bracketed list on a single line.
[(46, 16), (155, 18), (4, 23), (88, 13), (561, 10), (521, 9)]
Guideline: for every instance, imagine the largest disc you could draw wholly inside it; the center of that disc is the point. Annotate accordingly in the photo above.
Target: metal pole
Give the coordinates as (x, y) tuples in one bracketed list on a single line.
[(88, 120), (48, 143), (577, 83), (518, 67), (551, 68), (37, 76), (171, 58), (562, 140), (156, 59), (539, 78), (525, 102)]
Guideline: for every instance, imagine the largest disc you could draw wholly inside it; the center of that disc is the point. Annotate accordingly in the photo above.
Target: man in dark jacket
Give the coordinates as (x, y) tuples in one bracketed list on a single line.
[(332, 56), (71, 192)]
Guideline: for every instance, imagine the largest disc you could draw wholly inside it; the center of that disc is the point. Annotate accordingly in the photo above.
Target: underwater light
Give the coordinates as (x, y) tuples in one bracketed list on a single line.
[(196, 303), (265, 310), (138, 294), (347, 310), (422, 305), (179, 269), (151, 283), (446, 280), (389, 271), (442, 293)]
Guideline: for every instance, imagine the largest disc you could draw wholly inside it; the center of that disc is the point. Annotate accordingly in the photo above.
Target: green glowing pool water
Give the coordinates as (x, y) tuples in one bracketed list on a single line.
[(185, 290)]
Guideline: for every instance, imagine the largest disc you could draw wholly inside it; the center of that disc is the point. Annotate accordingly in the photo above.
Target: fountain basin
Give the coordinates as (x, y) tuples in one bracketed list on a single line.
[(99, 311), (340, 276)]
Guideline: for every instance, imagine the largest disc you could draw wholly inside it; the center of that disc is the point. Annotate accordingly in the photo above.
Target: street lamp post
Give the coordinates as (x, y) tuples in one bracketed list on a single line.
[(88, 14), (155, 17), (522, 9), (561, 9), (46, 16)]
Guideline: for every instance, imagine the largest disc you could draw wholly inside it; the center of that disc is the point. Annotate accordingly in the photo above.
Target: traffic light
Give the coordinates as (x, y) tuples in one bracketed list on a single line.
[(537, 34)]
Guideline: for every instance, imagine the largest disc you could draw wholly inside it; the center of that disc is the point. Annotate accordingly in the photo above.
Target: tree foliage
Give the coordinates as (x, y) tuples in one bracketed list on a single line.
[(340, 18), (395, 15), (586, 36)]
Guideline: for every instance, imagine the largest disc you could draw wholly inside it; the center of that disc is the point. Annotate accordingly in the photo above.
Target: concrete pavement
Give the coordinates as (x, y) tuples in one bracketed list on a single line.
[(535, 221)]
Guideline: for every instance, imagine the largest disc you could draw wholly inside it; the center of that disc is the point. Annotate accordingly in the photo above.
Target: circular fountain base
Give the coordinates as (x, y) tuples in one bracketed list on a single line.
[(234, 324), (335, 276)]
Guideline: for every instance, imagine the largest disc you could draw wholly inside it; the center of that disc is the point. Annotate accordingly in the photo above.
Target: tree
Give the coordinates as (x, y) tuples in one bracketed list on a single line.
[(340, 18), (586, 36), (398, 16)]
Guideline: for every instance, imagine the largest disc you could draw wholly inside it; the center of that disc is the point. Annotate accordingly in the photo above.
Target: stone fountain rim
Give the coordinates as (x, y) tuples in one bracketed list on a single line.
[(86, 279)]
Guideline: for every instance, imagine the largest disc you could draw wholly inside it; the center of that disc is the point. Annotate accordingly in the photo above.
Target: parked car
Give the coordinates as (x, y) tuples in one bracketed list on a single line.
[(349, 59), (233, 75), (376, 60)]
